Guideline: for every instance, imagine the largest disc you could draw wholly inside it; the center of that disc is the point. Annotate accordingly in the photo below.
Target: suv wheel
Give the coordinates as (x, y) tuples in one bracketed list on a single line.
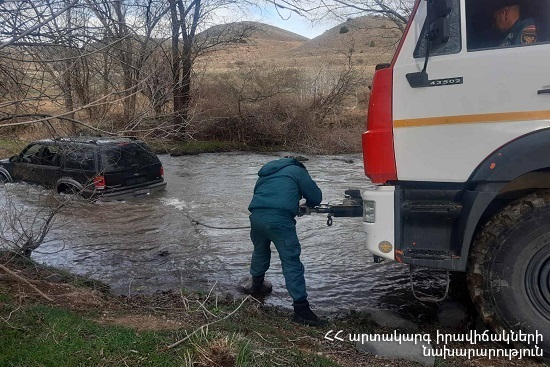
[(3, 178), (68, 189), (509, 269)]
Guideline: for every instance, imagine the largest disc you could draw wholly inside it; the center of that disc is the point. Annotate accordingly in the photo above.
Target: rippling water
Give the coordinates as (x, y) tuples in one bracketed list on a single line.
[(149, 244)]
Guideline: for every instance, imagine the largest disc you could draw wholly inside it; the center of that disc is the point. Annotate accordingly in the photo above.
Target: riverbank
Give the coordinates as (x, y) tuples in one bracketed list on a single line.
[(76, 321), (13, 146)]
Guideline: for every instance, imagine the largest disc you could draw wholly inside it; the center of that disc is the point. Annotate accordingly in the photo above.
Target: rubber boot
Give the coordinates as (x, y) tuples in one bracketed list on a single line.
[(304, 315), (257, 286)]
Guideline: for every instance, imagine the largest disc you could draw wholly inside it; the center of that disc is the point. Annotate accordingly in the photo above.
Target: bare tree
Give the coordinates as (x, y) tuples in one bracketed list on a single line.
[(397, 11), (187, 17), (23, 228), (127, 32)]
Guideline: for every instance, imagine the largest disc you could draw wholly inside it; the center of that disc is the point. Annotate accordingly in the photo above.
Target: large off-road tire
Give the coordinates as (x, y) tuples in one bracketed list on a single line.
[(509, 269)]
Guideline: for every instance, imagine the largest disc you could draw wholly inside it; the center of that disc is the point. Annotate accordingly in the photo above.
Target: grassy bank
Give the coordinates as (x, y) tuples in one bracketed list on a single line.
[(85, 325), (82, 324), (11, 146), (196, 147)]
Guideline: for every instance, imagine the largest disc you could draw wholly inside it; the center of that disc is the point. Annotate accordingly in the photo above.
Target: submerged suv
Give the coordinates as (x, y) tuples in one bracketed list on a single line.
[(92, 167)]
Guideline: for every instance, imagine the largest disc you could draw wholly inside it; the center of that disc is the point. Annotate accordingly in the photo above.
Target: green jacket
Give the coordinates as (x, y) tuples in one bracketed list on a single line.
[(281, 185)]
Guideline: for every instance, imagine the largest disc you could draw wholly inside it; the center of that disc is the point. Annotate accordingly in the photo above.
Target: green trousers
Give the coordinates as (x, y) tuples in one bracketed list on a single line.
[(279, 228)]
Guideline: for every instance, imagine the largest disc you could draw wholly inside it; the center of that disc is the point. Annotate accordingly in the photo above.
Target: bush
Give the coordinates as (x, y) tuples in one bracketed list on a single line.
[(306, 111)]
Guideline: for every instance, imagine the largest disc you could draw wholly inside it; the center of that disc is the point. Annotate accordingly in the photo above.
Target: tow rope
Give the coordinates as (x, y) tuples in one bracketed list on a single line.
[(197, 223)]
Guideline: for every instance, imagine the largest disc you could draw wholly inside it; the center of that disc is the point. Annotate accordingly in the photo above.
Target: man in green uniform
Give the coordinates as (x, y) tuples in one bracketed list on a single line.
[(508, 21), (280, 186)]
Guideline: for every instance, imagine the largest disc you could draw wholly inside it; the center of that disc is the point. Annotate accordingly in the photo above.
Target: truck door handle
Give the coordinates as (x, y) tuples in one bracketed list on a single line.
[(544, 91)]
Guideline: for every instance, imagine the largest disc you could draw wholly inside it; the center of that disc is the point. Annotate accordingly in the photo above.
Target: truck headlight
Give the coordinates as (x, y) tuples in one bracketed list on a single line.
[(369, 209)]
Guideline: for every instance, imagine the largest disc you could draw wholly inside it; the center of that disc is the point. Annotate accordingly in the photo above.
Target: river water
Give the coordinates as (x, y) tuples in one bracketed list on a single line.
[(149, 244)]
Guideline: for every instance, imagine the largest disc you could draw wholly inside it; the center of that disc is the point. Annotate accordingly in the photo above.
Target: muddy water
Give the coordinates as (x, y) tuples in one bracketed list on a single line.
[(149, 244)]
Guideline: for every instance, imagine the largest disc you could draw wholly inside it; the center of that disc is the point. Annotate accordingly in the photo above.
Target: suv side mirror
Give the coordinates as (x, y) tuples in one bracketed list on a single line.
[(14, 158)]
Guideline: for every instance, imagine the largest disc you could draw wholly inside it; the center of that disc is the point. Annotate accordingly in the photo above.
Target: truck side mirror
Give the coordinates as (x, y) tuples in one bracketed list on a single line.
[(439, 26), (439, 34), (439, 9)]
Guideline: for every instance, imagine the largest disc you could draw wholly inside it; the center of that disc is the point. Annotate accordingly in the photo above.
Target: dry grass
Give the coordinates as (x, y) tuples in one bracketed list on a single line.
[(277, 89), (372, 40)]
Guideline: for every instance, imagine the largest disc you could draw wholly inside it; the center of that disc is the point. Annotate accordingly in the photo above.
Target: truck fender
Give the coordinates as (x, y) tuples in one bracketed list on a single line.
[(525, 154), (6, 173)]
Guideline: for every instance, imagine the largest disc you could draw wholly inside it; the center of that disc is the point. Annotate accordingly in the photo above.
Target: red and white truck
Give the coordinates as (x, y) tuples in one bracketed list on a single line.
[(458, 145)]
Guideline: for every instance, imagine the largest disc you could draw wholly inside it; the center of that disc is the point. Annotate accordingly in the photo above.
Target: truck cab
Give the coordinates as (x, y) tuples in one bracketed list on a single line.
[(458, 144)]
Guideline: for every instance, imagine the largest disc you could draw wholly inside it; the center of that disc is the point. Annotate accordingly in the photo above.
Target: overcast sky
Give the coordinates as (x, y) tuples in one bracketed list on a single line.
[(294, 23), (285, 19)]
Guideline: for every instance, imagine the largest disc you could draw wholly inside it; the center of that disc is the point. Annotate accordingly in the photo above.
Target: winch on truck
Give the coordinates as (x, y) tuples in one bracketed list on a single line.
[(458, 145)]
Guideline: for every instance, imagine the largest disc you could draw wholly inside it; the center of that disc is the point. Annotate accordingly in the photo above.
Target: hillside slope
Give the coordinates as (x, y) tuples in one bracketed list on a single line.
[(373, 37), (369, 39)]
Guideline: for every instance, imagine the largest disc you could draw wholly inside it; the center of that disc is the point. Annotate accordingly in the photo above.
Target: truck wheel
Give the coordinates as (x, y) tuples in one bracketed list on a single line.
[(509, 269)]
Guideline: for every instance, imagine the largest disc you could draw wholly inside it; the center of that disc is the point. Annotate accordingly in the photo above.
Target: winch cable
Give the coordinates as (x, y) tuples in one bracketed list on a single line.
[(197, 223)]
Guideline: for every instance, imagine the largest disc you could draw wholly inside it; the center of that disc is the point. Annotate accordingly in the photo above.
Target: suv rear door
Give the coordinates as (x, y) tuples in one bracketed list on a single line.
[(79, 163), (129, 164)]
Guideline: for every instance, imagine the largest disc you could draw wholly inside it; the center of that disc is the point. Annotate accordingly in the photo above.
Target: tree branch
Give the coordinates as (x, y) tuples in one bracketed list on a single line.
[(21, 279), (41, 24)]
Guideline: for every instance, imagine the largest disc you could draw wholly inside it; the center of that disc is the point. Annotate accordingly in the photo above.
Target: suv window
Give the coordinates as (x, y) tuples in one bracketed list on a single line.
[(79, 157), (32, 154), (124, 156), (50, 156)]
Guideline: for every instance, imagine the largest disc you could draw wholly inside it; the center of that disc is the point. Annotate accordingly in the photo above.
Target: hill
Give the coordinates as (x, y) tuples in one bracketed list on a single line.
[(372, 40), (373, 36), (252, 31), (246, 43)]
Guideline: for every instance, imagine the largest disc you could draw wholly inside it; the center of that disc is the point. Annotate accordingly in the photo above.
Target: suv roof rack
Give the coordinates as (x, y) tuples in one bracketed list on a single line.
[(94, 139)]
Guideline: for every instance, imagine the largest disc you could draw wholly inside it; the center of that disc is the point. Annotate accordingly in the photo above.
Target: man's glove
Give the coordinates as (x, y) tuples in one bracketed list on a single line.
[(303, 209)]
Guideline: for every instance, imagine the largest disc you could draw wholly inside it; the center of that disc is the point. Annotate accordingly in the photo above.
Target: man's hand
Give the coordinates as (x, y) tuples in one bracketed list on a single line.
[(303, 209)]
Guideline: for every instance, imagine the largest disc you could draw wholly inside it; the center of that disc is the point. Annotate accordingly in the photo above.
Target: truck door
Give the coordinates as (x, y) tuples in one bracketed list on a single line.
[(478, 96)]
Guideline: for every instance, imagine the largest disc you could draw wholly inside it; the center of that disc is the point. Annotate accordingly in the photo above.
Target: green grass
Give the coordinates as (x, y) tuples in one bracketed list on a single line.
[(40, 335), (47, 336), (11, 146), (240, 333)]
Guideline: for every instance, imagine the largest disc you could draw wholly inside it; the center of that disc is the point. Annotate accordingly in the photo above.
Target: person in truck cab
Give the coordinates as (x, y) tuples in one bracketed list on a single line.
[(280, 186), (508, 21)]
